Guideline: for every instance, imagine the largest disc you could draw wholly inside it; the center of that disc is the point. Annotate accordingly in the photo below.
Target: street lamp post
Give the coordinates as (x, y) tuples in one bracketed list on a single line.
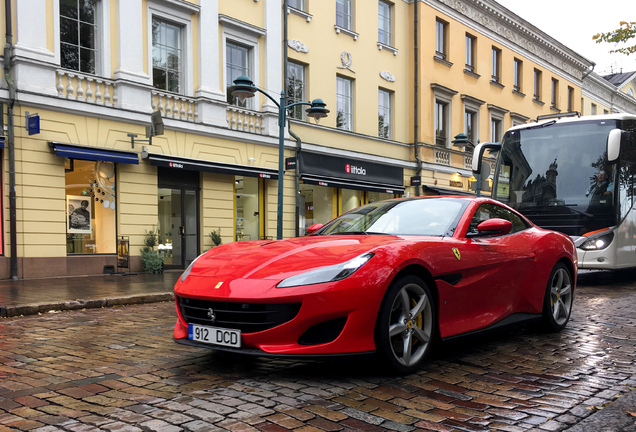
[(462, 141), (244, 88)]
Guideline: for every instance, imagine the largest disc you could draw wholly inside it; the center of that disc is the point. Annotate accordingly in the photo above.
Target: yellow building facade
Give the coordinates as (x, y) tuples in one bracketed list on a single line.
[(83, 184)]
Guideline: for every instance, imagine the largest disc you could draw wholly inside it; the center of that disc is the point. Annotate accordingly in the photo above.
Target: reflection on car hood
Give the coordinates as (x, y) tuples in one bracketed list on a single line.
[(282, 258)]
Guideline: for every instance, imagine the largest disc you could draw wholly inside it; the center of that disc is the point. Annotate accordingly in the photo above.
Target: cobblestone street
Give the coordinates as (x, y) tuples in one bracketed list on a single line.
[(117, 369)]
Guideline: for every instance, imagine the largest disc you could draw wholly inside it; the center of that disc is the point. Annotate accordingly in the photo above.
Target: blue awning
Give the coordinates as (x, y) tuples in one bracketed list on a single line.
[(94, 154), (1, 142)]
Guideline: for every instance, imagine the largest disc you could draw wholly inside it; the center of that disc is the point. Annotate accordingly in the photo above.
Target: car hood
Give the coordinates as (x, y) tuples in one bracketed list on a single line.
[(282, 258)]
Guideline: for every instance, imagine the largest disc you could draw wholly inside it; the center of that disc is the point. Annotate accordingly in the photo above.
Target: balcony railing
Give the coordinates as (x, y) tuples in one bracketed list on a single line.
[(442, 157), (173, 106), (86, 88), (244, 120)]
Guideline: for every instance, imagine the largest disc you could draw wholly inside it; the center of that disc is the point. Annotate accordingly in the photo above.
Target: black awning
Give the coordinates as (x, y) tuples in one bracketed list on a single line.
[(350, 173), (181, 163), (93, 154), (445, 191), (351, 184)]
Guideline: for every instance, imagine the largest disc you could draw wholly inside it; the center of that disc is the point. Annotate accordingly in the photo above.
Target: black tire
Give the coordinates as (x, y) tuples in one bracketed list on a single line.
[(559, 298), (406, 324)]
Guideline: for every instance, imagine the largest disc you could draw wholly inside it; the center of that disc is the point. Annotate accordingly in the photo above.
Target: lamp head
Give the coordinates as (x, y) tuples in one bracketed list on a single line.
[(462, 141), (243, 88), (317, 110)]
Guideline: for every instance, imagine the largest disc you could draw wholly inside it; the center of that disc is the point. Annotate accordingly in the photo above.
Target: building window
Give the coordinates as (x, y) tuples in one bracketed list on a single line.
[(495, 129), (385, 23), (237, 64), (496, 64), (385, 114), (554, 93), (537, 85), (570, 99), (91, 204), (593, 109), (441, 123), (470, 52), (296, 88), (470, 126), (167, 56), (78, 35), (517, 75), (344, 14), (441, 29), (344, 104), (297, 4)]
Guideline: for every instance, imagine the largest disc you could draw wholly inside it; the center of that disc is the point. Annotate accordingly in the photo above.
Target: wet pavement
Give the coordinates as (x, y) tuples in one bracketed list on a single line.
[(32, 296), (117, 369)]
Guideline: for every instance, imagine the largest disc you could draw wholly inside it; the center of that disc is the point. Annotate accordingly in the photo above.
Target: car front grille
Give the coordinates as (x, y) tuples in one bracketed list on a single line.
[(246, 317)]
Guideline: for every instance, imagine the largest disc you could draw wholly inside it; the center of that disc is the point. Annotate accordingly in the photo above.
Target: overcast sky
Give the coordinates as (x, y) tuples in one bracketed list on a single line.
[(573, 23)]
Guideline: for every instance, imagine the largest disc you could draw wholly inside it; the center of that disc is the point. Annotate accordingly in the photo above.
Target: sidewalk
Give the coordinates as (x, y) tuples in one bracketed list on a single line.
[(33, 296)]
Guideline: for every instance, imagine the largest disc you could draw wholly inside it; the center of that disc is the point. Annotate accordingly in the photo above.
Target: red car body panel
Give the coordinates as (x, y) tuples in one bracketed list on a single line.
[(478, 281)]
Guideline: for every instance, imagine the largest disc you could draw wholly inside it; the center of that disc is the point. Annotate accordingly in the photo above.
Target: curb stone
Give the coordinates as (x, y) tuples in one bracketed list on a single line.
[(613, 418), (34, 309)]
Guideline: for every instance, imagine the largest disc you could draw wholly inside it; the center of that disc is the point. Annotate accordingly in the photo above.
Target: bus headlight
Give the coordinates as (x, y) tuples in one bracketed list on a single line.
[(598, 242)]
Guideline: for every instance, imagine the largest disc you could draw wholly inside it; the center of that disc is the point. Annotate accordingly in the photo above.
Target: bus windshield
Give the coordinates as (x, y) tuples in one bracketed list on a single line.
[(558, 176)]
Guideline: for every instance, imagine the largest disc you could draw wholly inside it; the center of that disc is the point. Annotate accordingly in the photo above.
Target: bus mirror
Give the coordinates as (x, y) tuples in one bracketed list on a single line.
[(614, 145), (478, 154)]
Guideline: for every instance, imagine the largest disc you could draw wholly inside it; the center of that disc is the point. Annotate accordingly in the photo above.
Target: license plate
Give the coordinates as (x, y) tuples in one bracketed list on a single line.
[(215, 335)]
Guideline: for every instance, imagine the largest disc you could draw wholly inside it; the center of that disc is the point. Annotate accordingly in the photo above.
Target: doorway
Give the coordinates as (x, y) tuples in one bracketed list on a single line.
[(178, 207)]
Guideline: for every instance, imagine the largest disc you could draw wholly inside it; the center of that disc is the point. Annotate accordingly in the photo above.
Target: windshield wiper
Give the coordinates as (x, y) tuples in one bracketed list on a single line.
[(581, 212)]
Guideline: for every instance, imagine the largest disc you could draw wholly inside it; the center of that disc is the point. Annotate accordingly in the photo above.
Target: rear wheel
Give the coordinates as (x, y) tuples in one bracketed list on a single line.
[(559, 297), (406, 324)]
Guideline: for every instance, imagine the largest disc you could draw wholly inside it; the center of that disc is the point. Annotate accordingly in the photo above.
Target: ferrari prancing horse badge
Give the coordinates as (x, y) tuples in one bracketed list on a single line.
[(457, 254)]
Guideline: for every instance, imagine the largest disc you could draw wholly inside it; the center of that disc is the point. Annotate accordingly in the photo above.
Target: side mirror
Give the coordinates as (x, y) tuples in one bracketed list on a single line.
[(313, 228), (478, 154), (491, 227), (614, 145)]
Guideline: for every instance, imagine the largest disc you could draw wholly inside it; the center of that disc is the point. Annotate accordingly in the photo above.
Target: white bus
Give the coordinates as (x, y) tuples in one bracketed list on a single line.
[(576, 175)]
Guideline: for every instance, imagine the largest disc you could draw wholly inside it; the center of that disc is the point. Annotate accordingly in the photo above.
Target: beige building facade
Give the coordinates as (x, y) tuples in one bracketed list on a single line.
[(83, 184)]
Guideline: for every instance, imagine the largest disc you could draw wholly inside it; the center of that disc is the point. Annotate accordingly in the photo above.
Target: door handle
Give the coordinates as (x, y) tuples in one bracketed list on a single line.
[(182, 230), (533, 256)]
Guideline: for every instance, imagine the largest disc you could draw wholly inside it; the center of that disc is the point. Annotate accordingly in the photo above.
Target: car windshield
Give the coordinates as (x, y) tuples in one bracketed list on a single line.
[(427, 216)]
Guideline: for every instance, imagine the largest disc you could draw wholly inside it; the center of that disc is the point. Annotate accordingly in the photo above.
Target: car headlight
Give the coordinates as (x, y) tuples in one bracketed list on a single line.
[(187, 271), (598, 242), (327, 274)]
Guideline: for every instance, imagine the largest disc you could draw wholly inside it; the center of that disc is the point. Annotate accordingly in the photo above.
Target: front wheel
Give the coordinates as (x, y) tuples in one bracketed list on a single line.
[(559, 297), (406, 324)]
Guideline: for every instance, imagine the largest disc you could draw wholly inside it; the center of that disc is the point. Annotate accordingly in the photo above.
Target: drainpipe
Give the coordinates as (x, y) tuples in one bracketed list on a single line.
[(8, 52), (416, 102)]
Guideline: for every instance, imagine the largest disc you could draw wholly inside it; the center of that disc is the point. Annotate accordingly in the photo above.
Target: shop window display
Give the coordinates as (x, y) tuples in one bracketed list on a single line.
[(91, 204), (316, 205), (247, 204)]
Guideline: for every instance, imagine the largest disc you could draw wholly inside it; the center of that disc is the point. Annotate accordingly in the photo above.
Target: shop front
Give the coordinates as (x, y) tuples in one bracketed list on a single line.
[(91, 201), (179, 203), (332, 185)]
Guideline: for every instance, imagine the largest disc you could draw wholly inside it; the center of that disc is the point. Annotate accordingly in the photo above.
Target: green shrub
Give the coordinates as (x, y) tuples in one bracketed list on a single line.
[(215, 235), (152, 261)]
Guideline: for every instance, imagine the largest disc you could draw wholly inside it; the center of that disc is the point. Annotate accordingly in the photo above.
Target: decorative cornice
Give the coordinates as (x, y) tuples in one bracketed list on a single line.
[(504, 25)]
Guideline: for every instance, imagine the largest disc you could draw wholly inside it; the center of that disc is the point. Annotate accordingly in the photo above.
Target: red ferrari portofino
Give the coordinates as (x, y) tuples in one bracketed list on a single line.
[(388, 278)]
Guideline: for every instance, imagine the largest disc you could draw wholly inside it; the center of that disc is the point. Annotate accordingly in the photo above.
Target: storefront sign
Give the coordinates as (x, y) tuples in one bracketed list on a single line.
[(168, 161), (349, 173), (416, 181), (456, 184), (290, 163)]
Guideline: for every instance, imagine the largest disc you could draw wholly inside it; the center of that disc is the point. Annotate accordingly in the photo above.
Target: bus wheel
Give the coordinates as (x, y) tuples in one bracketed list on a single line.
[(559, 297)]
